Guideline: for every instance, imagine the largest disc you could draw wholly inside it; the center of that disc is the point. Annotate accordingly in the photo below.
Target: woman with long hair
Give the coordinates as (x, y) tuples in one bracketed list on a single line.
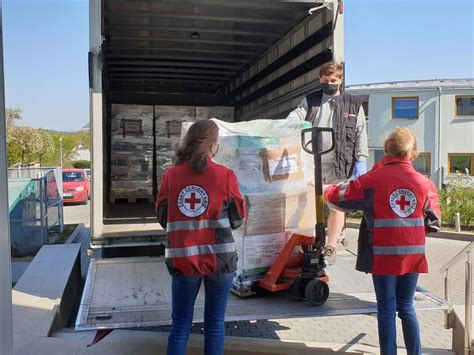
[(199, 203)]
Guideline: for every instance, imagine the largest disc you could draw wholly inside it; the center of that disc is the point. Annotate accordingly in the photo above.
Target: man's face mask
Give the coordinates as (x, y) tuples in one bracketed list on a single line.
[(330, 84), (329, 89)]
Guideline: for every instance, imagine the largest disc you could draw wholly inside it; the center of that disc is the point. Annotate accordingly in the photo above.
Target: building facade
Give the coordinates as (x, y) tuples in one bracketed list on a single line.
[(439, 112)]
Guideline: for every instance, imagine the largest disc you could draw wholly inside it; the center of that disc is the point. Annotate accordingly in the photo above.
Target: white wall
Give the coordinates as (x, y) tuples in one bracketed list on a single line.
[(457, 134)]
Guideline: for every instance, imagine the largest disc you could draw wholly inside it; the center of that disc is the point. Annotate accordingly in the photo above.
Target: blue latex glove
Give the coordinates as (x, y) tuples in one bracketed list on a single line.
[(360, 168)]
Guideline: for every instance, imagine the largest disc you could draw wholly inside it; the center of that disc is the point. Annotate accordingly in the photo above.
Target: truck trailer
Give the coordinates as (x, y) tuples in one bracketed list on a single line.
[(164, 60)]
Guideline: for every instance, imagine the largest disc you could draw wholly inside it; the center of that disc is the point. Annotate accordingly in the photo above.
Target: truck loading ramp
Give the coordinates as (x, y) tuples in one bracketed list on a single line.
[(142, 297)]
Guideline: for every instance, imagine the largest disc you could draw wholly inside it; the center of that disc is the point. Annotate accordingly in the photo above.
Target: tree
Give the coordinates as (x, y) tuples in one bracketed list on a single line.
[(13, 117), (46, 145), (27, 140)]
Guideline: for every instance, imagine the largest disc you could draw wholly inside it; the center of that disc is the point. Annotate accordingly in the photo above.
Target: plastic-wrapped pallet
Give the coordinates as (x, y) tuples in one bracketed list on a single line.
[(276, 178), (131, 165), (169, 121), (266, 155), (168, 124), (256, 254)]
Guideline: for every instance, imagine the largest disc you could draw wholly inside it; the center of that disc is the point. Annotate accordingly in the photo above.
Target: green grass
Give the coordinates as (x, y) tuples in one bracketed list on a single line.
[(60, 238)]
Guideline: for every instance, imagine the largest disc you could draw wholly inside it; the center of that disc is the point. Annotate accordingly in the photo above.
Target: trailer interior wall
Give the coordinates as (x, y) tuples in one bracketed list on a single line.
[(275, 83), (209, 52), (261, 57)]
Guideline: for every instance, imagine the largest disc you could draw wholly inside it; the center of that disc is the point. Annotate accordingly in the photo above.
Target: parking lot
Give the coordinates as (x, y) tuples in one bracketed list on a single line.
[(77, 213)]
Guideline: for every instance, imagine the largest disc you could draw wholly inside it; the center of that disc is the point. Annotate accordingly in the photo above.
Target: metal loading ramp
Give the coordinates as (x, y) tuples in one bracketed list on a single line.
[(136, 292)]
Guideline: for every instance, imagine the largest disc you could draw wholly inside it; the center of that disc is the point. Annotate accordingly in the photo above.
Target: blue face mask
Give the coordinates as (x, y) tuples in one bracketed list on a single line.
[(329, 89)]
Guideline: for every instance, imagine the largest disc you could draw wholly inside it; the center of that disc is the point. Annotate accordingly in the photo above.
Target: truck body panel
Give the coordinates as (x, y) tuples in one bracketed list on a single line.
[(258, 57)]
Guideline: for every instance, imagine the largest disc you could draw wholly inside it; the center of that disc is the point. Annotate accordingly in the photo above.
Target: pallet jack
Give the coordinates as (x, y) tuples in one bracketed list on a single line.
[(303, 274)]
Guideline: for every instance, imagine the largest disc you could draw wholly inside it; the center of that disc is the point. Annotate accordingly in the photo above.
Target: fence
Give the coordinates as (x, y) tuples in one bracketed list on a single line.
[(35, 206)]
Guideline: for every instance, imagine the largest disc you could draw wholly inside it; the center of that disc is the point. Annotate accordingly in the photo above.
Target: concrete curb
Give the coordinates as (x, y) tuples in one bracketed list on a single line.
[(122, 341), (466, 237), (74, 237), (42, 298)]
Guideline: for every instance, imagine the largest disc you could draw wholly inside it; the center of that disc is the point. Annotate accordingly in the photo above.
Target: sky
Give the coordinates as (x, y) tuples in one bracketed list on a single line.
[(46, 45), (45, 54), (393, 40)]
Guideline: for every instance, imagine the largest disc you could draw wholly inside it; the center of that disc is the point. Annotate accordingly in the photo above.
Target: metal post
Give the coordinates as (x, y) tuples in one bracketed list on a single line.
[(446, 287), (44, 213), (457, 222), (61, 151), (6, 327), (96, 120), (338, 31), (468, 308)]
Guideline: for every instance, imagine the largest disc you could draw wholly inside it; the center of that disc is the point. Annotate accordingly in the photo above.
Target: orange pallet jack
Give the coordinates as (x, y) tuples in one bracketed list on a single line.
[(303, 274)]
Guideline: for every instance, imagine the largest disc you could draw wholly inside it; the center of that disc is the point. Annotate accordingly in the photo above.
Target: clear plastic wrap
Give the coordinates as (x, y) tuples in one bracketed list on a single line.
[(131, 165), (169, 121), (266, 155), (276, 178)]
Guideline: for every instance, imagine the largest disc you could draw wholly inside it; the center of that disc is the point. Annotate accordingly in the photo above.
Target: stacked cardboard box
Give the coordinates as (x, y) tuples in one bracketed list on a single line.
[(136, 130), (271, 220), (169, 121), (275, 176), (131, 164)]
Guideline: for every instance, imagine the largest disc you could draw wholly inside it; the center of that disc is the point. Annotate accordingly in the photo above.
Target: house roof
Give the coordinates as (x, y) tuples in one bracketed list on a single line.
[(415, 85)]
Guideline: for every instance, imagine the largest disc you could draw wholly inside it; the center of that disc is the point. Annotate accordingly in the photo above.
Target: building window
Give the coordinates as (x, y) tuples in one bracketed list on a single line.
[(461, 163), (422, 164), (405, 107), (464, 105)]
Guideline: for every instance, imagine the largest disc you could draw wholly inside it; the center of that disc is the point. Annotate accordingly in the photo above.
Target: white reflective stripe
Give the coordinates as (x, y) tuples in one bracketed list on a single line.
[(342, 191), (405, 250), (196, 225), (200, 250), (399, 222)]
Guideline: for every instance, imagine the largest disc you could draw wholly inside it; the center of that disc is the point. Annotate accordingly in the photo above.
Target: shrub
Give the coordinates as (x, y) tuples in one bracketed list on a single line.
[(457, 199), (355, 214), (82, 164)]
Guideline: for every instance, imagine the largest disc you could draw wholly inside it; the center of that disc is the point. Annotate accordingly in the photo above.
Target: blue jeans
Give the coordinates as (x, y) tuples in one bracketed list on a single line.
[(184, 292), (396, 293)]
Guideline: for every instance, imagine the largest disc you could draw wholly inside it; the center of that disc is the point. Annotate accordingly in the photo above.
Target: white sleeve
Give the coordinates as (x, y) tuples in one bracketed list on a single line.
[(362, 150), (299, 112)]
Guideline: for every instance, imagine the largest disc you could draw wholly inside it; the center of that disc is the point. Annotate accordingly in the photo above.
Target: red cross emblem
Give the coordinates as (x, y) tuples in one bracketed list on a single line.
[(192, 201), (403, 202)]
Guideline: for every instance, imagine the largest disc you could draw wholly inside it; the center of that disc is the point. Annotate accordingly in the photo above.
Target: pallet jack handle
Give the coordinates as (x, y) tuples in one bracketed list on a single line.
[(314, 146)]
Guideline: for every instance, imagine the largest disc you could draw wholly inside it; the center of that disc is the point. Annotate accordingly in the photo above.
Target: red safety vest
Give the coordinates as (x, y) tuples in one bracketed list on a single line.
[(400, 206), (199, 211)]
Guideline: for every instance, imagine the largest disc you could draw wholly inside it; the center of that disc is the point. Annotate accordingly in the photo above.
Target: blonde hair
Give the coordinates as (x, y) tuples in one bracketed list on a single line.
[(401, 143), (331, 68)]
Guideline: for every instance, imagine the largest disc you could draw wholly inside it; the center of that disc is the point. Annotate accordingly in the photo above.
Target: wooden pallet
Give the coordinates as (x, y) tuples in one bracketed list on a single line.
[(122, 199)]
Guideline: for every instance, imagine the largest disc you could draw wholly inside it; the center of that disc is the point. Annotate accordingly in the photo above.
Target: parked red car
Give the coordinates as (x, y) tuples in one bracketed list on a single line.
[(76, 186)]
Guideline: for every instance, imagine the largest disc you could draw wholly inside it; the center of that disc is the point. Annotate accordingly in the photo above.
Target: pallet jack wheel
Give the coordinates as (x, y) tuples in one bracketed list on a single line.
[(316, 292), (297, 289)]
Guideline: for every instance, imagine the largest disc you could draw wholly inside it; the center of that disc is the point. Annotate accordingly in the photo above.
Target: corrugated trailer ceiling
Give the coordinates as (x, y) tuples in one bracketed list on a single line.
[(189, 46)]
